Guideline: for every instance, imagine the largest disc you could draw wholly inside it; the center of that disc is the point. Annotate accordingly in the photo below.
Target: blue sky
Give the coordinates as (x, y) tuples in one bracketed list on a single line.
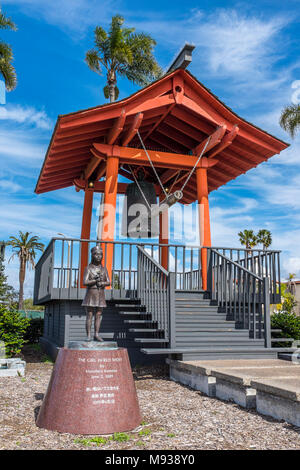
[(247, 54)]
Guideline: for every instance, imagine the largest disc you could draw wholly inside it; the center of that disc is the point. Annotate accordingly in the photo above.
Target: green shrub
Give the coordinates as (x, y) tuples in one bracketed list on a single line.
[(34, 330), (12, 330), (289, 323)]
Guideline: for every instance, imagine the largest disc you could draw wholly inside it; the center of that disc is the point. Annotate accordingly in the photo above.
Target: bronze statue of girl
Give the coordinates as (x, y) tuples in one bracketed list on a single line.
[(96, 278)]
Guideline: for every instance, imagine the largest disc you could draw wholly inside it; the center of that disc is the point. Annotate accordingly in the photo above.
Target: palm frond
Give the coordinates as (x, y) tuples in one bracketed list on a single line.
[(290, 119), (6, 23), (122, 51), (6, 68), (93, 60)]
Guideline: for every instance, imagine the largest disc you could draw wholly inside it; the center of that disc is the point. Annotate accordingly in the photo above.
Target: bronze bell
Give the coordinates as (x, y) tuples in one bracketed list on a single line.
[(137, 221)]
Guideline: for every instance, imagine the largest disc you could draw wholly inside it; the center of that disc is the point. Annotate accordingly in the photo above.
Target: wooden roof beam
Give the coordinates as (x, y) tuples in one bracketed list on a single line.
[(180, 139), (136, 156), (99, 186), (101, 170), (92, 164), (167, 143), (117, 128), (131, 132), (184, 128), (225, 142), (164, 115), (213, 140)]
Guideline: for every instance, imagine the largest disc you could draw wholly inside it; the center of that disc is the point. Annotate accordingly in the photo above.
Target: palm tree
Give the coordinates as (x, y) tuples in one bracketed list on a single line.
[(6, 55), (290, 119), (265, 238), (123, 52), (248, 239), (290, 285), (25, 247)]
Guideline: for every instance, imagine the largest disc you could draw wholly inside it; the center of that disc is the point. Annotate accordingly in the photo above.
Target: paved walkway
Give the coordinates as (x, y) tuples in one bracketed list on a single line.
[(272, 386)]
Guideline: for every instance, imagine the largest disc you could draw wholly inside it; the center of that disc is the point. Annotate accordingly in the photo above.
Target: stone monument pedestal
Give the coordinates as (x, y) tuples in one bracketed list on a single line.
[(91, 391)]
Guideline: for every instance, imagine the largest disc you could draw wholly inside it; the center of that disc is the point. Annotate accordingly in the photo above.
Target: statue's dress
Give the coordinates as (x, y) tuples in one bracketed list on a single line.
[(94, 297)]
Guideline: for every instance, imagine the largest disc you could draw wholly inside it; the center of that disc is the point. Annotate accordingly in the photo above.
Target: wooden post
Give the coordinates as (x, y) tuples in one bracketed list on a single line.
[(204, 222), (110, 201), (86, 229), (164, 235)]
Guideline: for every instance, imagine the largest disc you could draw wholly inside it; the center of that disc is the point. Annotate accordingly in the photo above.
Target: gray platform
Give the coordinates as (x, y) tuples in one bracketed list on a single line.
[(272, 386)]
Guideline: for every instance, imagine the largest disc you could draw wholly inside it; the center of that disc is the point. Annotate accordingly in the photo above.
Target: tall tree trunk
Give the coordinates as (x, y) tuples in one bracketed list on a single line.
[(112, 92), (21, 281)]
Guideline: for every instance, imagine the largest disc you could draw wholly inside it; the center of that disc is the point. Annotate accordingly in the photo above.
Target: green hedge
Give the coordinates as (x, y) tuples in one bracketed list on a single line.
[(12, 330), (289, 323)]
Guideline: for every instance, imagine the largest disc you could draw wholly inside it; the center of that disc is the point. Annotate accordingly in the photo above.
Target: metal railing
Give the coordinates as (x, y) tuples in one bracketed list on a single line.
[(155, 288), (57, 274), (262, 263), (244, 296)]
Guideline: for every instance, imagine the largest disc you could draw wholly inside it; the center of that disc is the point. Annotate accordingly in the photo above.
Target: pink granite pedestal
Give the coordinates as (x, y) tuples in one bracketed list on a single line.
[(90, 392)]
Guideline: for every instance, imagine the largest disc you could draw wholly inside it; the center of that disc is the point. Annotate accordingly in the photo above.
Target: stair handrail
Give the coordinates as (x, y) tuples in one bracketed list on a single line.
[(252, 290), (156, 289)]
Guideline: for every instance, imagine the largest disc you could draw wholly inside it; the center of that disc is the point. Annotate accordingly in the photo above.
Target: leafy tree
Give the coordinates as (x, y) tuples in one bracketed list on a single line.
[(288, 300), (290, 119), (12, 330), (7, 292), (123, 52), (25, 248), (28, 305), (265, 238), (6, 55), (248, 239)]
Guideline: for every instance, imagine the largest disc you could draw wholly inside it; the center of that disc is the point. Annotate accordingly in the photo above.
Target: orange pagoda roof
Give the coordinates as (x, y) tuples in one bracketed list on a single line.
[(174, 116)]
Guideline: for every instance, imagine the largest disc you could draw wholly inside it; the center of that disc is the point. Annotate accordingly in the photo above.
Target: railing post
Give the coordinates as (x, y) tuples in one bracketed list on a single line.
[(267, 320), (209, 270), (172, 312)]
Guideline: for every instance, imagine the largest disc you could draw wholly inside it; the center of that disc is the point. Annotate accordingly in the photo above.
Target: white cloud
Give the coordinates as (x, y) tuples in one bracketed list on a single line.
[(22, 146), (237, 43), (28, 116), (75, 15), (9, 186)]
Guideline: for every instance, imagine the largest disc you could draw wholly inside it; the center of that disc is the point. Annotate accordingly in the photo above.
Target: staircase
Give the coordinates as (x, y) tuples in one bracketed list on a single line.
[(225, 322)]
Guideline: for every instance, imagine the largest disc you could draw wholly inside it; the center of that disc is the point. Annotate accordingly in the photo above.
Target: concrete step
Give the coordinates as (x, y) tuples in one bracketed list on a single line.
[(227, 349), (142, 322), (151, 340), (145, 330), (133, 308), (202, 317), (282, 340), (190, 332), (195, 302)]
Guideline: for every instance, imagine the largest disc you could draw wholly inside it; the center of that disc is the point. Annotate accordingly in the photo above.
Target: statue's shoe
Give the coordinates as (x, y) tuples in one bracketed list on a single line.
[(97, 338), (89, 338)]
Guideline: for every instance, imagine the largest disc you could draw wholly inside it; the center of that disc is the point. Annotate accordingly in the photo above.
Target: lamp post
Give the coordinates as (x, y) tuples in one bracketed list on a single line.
[(68, 260)]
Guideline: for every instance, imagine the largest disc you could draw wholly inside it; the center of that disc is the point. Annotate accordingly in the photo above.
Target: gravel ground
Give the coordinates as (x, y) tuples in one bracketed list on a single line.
[(174, 417)]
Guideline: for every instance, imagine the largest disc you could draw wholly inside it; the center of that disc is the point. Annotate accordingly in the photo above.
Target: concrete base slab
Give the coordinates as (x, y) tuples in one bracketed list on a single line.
[(14, 367), (240, 394), (278, 407), (193, 377)]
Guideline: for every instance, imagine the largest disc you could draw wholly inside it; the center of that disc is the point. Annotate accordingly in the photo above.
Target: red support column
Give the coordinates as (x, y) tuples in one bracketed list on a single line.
[(110, 201), (164, 235), (204, 222), (86, 229)]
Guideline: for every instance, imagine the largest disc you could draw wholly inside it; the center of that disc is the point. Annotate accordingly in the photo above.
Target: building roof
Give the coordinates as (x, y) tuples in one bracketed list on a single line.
[(175, 114)]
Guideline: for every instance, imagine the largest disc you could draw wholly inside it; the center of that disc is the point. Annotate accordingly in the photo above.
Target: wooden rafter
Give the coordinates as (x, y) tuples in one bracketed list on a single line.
[(117, 128), (157, 123), (92, 165), (225, 142), (214, 139), (131, 132)]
